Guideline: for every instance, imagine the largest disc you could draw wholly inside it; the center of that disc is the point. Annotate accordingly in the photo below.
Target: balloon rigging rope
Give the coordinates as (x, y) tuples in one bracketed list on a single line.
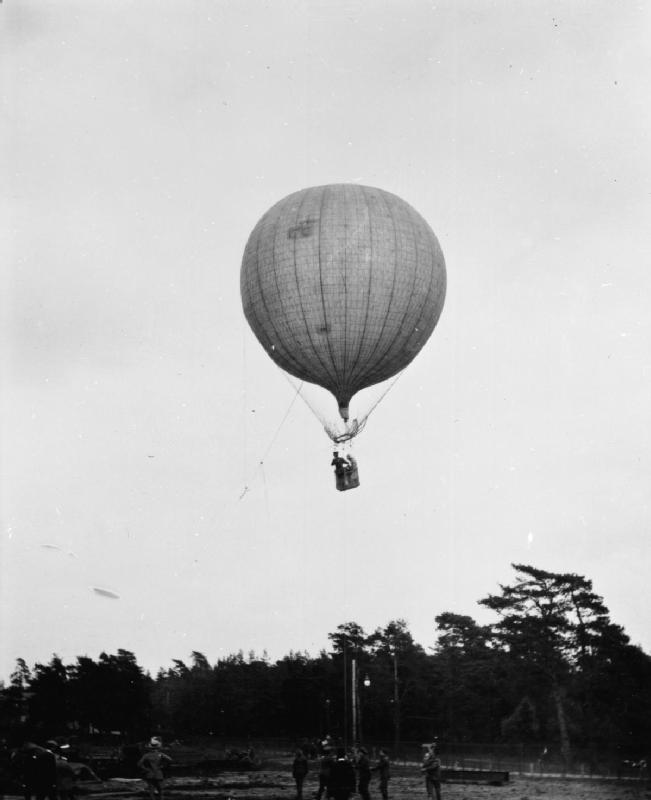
[(298, 390), (322, 419), (380, 398)]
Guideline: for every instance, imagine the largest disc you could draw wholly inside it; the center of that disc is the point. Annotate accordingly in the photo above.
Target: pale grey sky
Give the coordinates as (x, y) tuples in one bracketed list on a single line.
[(141, 142)]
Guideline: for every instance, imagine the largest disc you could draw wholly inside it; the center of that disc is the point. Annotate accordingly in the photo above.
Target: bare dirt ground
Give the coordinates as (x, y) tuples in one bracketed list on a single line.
[(278, 785)]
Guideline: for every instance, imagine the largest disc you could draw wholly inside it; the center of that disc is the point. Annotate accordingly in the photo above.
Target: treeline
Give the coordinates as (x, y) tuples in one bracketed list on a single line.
[(552, 669)]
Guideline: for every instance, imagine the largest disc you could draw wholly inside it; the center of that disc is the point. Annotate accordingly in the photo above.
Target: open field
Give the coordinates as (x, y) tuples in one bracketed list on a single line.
[(200, 774), (271, 784)]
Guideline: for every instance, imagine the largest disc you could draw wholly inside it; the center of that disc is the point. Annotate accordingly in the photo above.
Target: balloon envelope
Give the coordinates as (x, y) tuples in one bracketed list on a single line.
[(342, 285)]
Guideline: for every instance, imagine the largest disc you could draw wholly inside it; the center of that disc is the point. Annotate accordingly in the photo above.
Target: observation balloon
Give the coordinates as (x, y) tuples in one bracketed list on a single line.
[(342, 285)]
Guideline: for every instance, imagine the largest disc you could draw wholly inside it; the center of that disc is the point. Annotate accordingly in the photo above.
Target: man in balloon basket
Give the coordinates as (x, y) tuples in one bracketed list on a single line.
[(346, 472)]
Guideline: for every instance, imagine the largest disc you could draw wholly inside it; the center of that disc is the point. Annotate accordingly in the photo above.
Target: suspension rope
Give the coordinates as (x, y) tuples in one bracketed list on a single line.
[(356, 426), (380, 398), (298, 390)]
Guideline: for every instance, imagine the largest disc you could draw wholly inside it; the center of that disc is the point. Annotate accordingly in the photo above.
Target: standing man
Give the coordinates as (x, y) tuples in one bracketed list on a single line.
[(432, 769), (324, 769), (363, 773), (341, 781), (383, 769), (152, 765), (299, 771)]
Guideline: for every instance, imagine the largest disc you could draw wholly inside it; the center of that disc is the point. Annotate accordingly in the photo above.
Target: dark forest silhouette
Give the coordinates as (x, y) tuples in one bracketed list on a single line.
[(553, 669)]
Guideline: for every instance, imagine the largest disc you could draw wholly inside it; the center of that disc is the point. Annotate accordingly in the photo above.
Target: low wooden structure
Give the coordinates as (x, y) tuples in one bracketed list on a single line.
[(494, 777)]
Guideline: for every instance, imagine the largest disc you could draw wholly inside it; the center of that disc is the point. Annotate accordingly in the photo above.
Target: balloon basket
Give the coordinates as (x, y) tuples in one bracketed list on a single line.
[(347, 480)]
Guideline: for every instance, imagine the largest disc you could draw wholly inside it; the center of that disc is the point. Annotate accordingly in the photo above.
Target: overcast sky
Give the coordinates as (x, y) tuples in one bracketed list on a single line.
[(141, 142)]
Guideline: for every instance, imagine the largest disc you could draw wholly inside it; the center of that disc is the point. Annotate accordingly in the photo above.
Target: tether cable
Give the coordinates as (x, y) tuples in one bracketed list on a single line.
[(260, 463)]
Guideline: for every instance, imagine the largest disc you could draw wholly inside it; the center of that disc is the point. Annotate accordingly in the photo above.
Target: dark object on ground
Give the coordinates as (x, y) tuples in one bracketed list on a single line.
[(491, 776)]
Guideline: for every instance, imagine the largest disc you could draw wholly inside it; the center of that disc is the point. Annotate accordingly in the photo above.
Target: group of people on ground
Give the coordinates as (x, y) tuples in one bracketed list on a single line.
[(341, 775), (44, 773)]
